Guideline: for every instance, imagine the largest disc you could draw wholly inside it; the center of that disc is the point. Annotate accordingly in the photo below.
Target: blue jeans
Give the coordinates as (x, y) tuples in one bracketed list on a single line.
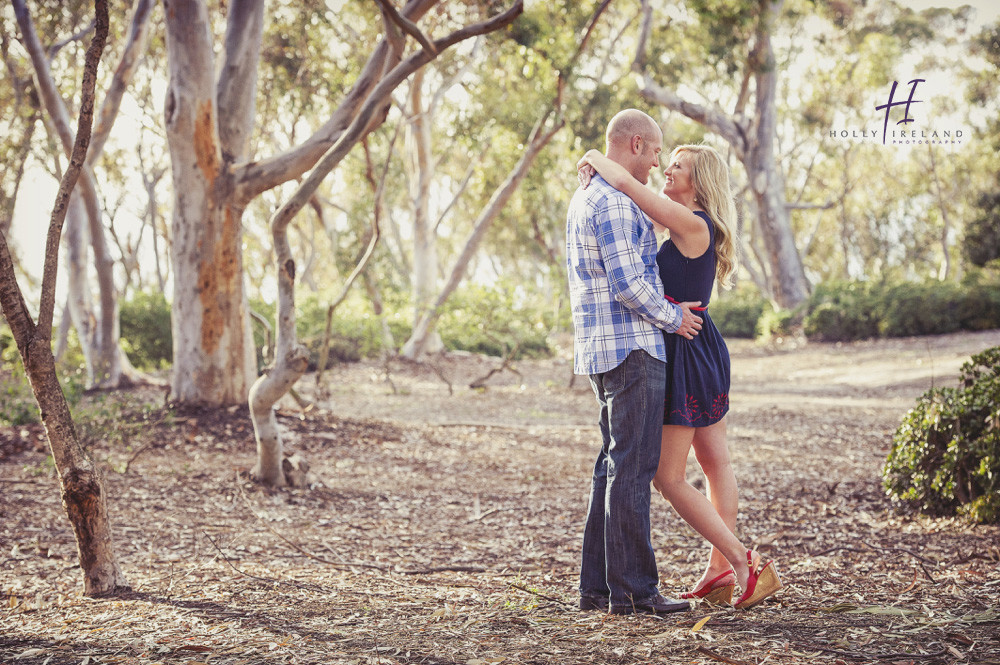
[(618, 560)]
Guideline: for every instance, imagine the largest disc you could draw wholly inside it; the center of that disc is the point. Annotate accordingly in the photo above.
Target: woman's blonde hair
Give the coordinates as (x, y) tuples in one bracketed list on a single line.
[(710, 178)]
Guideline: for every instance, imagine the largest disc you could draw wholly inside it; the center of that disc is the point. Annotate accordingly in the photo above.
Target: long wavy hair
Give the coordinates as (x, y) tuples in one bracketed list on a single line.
[(710, 178)]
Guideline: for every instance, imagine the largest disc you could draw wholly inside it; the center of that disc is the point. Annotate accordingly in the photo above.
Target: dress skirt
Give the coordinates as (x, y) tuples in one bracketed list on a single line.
[(697, 393)]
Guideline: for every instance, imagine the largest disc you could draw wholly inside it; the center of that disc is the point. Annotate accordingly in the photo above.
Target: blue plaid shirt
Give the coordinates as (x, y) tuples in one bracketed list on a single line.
[(614, 284)]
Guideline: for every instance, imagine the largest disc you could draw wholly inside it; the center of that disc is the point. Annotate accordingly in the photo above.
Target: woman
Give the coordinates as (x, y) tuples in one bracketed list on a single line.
[(697, 210)]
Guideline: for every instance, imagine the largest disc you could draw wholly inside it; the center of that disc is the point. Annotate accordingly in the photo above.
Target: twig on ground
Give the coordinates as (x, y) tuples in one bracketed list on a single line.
[(296, 547), (854, 655), (506, 364), (900, 549), (444, 569), (440, 374), (718, 656), (540, 595), (297, 585), (135, 455)]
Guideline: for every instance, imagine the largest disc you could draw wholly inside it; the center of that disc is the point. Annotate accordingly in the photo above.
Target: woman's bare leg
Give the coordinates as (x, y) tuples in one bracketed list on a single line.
[(712, 452), (693, 506)]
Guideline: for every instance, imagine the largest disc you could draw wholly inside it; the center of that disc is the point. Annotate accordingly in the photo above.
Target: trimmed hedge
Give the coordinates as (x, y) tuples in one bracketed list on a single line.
[(848, 311), (945, 456)]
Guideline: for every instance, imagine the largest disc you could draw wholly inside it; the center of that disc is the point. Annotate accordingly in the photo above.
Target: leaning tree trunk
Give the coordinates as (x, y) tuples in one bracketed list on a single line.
[(540, 137), (766, 181), (82, 487), (99, 334), (290, 362)]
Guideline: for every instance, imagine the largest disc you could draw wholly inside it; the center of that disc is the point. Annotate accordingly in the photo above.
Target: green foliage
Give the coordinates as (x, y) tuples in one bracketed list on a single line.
[(981, 240), (847, 311), (945, 456), (17, 404), (494, 321), (145, 330), (922, 308), (777, 323), (842, 311), (736, 313), (355, 330)]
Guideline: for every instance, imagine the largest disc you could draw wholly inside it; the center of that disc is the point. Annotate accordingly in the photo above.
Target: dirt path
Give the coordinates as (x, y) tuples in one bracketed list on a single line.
[(446, 528)]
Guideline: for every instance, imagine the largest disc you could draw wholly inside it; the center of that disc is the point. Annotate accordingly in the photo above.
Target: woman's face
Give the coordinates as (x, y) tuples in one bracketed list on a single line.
[(678, 174)]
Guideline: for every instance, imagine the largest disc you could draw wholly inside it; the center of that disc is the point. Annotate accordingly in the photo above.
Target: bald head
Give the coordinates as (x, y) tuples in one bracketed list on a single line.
[(634, 140), (628, 124)]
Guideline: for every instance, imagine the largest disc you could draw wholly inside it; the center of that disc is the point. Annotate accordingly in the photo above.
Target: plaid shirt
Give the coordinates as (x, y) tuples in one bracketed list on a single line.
[(614, 284)]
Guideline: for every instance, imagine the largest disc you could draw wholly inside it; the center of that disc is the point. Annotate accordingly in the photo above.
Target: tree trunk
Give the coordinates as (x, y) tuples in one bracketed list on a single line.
[(945, 271), (98, 333), (766, 181), (540, 137), (290, 360), (208, 128), (82, 487), (754, 149), (213, 351), (425, 255)]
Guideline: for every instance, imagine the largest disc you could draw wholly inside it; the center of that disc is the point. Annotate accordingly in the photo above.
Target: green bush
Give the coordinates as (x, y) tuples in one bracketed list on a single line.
[(945, 456), (355, 330), (493, 321), (736, 313), (847, 311), (843, 312), (924, 308), (17, 404), (777, 323), (145, 330)]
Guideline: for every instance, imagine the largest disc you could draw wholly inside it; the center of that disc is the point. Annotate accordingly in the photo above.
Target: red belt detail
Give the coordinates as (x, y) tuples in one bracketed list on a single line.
[(694, 309)]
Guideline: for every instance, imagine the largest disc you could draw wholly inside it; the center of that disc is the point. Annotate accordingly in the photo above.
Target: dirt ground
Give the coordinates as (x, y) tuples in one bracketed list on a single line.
[(445, 523)]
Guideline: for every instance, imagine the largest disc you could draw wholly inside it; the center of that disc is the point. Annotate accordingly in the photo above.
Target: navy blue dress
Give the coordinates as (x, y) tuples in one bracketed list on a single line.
[(697, 392)]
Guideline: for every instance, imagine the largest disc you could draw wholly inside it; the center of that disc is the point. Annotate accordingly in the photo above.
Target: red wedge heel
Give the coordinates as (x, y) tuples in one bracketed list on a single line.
[(763, 583), (718, 590)]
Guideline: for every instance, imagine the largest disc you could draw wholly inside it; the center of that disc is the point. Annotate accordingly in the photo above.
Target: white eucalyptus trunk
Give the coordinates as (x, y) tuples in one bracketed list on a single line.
[(790, 287), (425, 254), (290, 361), (540, 137), (98, 331), (754, 146), (214, 359), (77, 240)]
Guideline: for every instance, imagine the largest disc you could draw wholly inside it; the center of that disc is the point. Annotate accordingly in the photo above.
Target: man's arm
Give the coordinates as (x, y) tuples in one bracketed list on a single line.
[(618, 238)]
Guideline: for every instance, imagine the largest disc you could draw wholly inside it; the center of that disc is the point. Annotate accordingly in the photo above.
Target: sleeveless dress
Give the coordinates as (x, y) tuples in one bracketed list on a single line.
[(697, 393)]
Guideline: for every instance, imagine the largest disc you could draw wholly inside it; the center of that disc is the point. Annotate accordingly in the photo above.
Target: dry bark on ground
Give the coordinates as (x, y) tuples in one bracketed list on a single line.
[(446, 527)]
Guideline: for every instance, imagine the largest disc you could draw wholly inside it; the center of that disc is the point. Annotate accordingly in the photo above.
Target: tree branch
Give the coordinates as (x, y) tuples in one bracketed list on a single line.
[(409, 27), (257, 177), (76, 165)]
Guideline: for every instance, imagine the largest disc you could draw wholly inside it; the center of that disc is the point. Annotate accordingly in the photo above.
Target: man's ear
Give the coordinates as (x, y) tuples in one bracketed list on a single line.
[(637, 144)]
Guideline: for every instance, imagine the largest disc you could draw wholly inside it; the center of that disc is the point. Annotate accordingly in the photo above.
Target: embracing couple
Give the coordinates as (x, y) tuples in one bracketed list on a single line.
[(657, 364)]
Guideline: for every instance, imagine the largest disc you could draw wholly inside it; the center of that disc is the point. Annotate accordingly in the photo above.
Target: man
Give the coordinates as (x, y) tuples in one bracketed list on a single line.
[(618, 314)]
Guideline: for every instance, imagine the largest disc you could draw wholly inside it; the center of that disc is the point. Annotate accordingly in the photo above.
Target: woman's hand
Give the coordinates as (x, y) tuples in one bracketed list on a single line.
[(585, 169), (584, 172)]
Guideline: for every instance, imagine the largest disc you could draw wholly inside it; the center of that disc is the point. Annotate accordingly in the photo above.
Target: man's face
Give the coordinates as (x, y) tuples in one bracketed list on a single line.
[(648, 158)]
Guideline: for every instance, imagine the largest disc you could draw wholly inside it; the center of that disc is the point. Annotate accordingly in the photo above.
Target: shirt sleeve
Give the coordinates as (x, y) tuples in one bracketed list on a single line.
[(617, 233)]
